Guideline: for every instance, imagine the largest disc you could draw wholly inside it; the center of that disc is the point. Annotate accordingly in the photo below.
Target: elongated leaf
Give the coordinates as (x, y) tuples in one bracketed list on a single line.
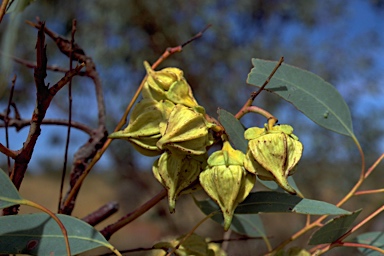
[(246, 224), (234, 129), (334, 229), (272, 201), (309, 93), (39, 234), (8, 192), (371, 238)]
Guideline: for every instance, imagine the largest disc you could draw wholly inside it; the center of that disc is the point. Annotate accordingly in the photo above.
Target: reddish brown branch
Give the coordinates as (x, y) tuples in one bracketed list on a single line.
[(3, 9), (108, 231), (44, 96), (101, 214), (21, 123), (88, 151)]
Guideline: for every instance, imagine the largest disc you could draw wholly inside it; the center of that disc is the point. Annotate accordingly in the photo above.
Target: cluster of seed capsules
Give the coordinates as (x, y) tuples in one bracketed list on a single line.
[(169, 122)]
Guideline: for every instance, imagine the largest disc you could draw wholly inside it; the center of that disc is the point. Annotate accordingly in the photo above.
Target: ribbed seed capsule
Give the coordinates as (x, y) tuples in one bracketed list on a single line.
[(273, 154), (226, 181), (186, 132), (176, 173), (143, 129), (170, 84)]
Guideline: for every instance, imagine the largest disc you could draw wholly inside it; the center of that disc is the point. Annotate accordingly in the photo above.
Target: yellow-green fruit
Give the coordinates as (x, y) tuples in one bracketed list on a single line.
[(191, 245), (186, 132), (273, 154), (176, 173), (226, 181), (143, 129), (170, 84)]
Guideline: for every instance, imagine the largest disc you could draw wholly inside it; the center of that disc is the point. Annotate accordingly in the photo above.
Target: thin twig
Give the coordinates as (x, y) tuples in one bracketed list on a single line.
[(249, 102), (254, 94), (64, 171), (32, 64), (3, 9), (21, 123), (6, 121), (108, 231), (6, 151), (101, 214)]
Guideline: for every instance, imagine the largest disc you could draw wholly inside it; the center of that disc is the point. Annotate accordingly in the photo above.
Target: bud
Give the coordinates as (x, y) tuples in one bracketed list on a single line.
[(176, 173), (273, 153), (186, 132), (192, 244), (143, 129), (226, 181), (170, 84)]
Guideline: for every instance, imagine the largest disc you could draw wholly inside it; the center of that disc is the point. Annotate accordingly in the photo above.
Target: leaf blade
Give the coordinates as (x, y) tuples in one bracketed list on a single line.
[(334, 229), (8, 193), (309, 93), (246, 224), (375, 238), (273, 201), (234, 129), (38, 234)]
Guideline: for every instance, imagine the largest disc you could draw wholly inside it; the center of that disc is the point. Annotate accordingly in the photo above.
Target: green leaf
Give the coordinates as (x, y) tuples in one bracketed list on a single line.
[(371, 238), (334, 229), (309, 93), (246, 224), (8, 192), (234, 129), (39, 234), (272, 201)]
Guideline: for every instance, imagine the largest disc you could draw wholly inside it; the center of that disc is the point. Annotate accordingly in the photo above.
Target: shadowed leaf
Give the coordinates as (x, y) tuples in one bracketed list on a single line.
[(334, 229), (39, 234), (8, 192)]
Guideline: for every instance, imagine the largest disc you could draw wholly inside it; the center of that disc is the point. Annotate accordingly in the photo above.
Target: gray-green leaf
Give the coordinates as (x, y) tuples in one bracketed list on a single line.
[(309, 93), (334, 229), (39, 234)]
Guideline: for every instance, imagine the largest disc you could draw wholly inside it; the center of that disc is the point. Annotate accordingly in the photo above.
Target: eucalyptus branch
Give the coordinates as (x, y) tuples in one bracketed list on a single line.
[(32, 64), (108, 231), (101, 214), (3, 9), (248, 103), (6, 120), (76, 186), (21, 123), (6, 151)]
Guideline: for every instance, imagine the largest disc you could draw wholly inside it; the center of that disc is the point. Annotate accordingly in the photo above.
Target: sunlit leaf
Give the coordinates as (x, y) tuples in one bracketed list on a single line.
[(309, 93), (8, 192), (334, 229), (234, 129), (371, 238), (39, 234)]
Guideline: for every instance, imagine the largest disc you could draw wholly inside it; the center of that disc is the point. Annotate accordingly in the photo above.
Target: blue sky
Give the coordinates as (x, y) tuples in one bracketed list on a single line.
[(325, 43)]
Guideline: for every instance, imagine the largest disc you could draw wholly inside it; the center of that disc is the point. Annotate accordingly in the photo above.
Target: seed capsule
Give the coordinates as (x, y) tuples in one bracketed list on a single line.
[(226, 181), (186, 132), (176, 173), (168, 84), (273, 154), (143, 129)]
